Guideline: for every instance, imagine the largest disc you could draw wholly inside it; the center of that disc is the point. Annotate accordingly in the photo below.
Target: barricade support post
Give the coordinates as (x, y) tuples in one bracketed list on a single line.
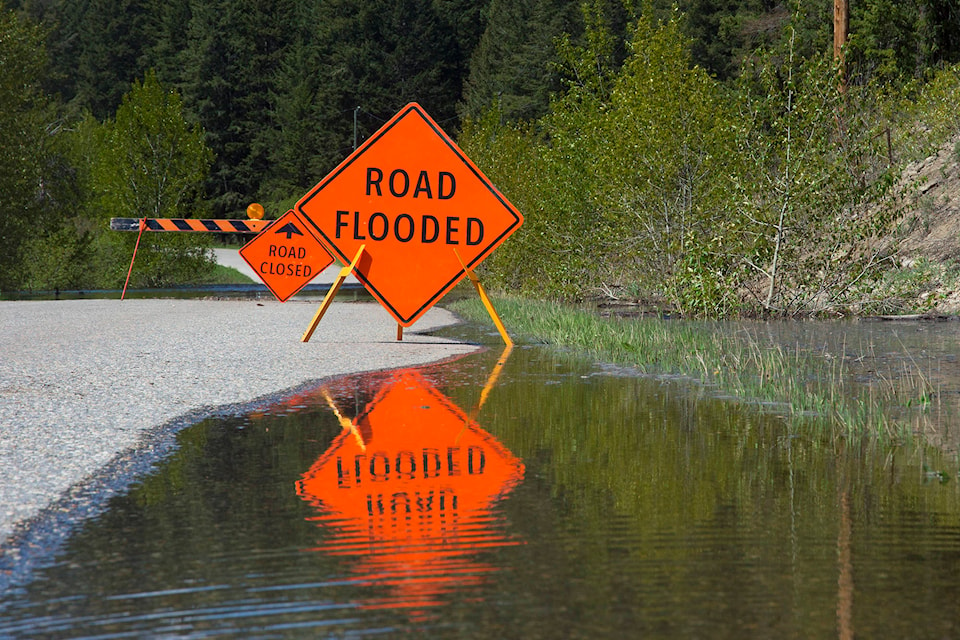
[(143, 225)]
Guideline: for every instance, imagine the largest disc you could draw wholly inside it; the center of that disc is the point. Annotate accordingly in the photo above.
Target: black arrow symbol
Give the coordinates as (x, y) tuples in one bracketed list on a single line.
[(290, 229)]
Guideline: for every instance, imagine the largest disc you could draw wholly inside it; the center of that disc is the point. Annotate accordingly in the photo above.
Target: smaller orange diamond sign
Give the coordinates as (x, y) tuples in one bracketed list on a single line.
[(286, 256)]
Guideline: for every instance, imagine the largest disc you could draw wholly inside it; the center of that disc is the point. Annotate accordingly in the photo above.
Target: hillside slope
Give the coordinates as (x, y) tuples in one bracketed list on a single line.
[(928, 238)]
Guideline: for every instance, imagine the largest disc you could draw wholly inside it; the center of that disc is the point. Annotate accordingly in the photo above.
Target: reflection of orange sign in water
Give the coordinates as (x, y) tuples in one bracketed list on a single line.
[(409, 487)]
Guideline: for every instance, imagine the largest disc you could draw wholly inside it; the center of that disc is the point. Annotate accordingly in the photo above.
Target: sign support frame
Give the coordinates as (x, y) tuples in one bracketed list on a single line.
[(331, 294), (253, 225), (488, 305)]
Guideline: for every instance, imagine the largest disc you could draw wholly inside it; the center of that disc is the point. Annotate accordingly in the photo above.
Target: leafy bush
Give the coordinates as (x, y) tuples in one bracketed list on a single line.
[(655, 179), (145, 163)]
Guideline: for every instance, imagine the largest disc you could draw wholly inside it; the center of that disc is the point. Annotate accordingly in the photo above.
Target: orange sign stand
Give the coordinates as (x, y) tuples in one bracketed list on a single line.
[(486, 303), (425, 213), (331, 294), (286, 256)]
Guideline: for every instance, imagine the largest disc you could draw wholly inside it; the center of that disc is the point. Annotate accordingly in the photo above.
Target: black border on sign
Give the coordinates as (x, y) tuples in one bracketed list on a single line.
[(298, 218), (403, 113)]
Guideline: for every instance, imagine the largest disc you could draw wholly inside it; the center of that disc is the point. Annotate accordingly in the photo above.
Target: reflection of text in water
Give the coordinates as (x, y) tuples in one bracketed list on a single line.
[(377, 467)]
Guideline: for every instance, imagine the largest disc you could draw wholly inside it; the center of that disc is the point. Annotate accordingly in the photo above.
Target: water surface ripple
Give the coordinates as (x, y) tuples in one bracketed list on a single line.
[(530, 494)]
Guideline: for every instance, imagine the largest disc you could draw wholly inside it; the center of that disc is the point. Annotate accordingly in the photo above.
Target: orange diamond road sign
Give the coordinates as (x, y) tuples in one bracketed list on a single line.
[(286, 255), (413, 197), (409, 491)]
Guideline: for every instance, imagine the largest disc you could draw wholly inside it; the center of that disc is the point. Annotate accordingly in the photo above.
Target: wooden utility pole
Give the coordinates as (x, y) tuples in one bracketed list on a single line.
[(841, 25)]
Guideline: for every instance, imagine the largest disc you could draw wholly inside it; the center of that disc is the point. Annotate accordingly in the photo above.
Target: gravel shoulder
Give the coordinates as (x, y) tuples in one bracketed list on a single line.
[(84, 381)]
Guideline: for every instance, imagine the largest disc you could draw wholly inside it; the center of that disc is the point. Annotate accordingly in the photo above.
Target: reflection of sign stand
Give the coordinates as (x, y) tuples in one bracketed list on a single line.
[(345, 422), (492, 379), (332, 293)]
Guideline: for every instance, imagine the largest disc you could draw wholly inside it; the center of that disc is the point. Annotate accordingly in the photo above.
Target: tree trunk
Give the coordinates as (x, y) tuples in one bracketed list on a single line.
[(841, 25)]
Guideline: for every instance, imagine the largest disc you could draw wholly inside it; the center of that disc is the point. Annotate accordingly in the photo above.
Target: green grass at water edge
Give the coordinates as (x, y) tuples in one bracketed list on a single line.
[(225, 275), (736, 362)]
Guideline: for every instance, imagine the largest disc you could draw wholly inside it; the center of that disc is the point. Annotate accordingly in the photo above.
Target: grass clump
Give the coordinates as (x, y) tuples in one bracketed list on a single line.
[(737, 358), (225, 275)]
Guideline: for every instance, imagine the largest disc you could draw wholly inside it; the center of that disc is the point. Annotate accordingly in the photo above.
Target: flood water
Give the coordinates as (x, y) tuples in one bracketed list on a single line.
[(528, 494)]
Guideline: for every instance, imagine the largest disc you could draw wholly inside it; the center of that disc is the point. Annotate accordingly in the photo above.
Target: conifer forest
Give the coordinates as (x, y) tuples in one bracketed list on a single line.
[(718, 157)]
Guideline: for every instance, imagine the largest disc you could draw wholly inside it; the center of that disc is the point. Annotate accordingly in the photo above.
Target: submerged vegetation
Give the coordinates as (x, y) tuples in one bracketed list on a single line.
[(841, 384)]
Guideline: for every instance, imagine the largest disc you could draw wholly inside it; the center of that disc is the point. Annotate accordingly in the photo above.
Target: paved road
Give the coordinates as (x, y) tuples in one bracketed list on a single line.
[(84, 383)]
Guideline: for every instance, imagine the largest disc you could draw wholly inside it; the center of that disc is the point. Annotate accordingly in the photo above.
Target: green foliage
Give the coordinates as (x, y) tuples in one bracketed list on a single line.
[(681, 150), (22, 129), (896, 40), (98, 48), (670, 148), (295, 143), (147, 162), (911, 287), (379, 56), (651, 178), (931, 115), (725, 32), (151, 161), (627, 170), (819, 160), (56, 259), (510, 70), (39, 234), (549, 255), (227, 75)]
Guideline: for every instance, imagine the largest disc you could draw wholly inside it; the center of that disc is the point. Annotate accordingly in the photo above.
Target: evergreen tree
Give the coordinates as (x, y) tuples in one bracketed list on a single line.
[(941, 20), (23, 116), (168, 21), (296, 142), (466, 19), (511, 68), (100, 49), (380, 55), (891, 39), (233, 53), (722, 32)]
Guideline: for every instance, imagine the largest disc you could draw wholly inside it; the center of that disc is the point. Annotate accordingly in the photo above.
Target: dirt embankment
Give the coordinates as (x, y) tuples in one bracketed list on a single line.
[(929, 233)]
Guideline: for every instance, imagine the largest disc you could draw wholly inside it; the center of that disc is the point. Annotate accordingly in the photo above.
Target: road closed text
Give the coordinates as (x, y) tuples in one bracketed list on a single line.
[(279, 262)]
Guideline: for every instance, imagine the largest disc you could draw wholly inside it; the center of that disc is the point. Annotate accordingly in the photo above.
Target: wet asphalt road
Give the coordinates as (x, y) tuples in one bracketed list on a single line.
[(85, 382)]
